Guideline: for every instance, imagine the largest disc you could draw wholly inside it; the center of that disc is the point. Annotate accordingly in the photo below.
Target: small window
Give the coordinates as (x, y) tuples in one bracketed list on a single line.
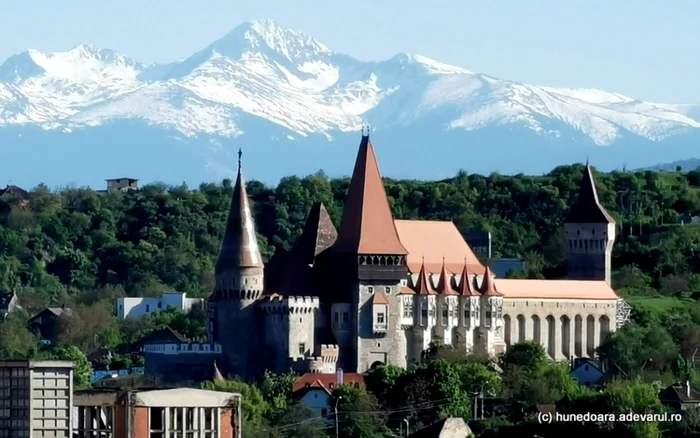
[(578, 232), (148, 308), (586, 367), (302, 348), (331, 386), (593, 231), (380, 318), (387, 290), (160, 305), (324, 412), (370, 289), (346, 317), (336, 317)]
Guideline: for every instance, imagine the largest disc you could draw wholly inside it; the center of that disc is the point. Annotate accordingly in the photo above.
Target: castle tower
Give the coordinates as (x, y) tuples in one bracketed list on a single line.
[(470, 310), (489, 336), (368, 259), (590, 234), (239, 284)]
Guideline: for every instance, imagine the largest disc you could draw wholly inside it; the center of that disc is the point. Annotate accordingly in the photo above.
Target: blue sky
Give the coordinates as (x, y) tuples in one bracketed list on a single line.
[(646, 49)]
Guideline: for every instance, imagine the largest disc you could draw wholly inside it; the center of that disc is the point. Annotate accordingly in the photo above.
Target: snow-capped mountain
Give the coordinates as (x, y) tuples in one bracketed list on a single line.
[(90, 113)]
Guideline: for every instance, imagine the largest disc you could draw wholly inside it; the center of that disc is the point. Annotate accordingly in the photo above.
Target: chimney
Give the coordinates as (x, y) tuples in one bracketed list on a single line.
[(339, 376), (687, 388)]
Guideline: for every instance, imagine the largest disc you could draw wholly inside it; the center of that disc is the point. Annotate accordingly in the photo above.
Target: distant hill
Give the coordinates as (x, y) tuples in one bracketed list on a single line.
[(690, 164)]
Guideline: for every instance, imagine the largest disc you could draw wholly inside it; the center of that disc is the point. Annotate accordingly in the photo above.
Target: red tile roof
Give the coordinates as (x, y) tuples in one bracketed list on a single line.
[(380, 298), (445, 283), (367, 226), (488, 286), (556, 289), (466, 288), (424, 285), (327, 381)]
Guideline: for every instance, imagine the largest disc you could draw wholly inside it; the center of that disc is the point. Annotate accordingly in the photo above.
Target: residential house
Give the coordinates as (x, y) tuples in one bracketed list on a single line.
[(447, 428), (315, 390), (47, 322), (122, 184), (147, 413), (586, 371), (680, 396), (137, 307), (16, 194)]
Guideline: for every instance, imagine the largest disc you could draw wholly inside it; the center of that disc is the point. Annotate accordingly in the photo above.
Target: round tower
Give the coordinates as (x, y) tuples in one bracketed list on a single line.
[(238, 287)]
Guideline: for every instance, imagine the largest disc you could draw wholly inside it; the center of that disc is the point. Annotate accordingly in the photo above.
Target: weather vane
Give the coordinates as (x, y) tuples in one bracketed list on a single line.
[(365, 129)]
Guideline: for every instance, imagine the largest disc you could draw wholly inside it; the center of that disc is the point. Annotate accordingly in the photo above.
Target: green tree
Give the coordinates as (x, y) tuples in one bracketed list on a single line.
[(82, 371)]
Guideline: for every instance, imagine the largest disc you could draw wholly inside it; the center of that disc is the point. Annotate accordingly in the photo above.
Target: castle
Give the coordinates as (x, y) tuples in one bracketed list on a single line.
[(379, 290)]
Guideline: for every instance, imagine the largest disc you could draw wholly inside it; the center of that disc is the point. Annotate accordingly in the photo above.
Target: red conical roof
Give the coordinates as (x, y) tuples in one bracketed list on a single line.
[(445, 282), (424, 286), (367, 226), (239, 247), (587, 208), (465, 287), (488, 286)]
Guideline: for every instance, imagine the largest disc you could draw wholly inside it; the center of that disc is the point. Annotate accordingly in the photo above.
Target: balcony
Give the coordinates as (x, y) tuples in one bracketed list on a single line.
[(379, 327)]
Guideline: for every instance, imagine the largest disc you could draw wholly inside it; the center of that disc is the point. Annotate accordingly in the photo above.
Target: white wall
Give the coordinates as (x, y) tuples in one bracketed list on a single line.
[(137, 307)]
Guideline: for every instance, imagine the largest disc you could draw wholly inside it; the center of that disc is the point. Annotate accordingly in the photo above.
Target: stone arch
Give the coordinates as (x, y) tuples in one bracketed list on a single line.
[(536, 329), (521, 328), (590, 335), (376, 363), (565, 336), (552, 336), (507, 327), (578, 336), (604, 322)]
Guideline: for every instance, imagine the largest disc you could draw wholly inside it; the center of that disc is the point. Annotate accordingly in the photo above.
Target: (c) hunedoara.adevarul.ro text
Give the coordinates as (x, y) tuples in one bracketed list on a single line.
[(552, 417)]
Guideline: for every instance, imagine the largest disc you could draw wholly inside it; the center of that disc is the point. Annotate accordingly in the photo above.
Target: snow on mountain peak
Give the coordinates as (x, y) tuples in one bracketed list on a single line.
[(288, 78)]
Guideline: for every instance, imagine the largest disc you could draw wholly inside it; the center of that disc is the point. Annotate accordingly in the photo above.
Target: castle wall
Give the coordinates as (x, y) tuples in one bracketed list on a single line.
[(565, 328)]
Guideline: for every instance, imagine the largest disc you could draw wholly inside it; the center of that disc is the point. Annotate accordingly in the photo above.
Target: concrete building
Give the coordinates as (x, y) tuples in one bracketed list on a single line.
[(161, 413), (138, 307), (35, 399), (122, 184), (379, 290)]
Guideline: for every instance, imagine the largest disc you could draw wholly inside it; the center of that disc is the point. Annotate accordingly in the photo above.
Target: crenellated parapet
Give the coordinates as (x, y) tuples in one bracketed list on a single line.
[(330, 353), (277, 304)]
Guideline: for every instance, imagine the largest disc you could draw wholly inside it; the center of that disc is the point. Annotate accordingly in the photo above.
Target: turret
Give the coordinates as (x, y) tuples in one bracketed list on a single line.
[(238, 286), (590, 234)]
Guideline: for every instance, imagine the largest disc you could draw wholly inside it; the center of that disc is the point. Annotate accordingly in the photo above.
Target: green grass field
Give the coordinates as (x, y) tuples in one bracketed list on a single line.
[(659, 305)]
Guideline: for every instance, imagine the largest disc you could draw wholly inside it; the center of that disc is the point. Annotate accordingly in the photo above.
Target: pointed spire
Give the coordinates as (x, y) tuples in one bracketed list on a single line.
[(367, 226), (465, 287), (216, 375), (488, 286), (424, 286), (445, 282), (239, 247), (587, 208)]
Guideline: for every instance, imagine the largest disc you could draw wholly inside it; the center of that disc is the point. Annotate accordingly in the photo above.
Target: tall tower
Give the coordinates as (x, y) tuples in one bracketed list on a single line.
[(590, 234), (239, 284), (369, 265)]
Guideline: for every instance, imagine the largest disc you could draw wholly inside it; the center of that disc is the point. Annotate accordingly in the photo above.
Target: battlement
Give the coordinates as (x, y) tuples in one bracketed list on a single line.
[(330, 352), (312, 364), (183, 348), (293, 304)]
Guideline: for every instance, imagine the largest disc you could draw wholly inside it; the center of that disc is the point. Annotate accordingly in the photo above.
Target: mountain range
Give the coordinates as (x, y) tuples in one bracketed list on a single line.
[(295, 106)]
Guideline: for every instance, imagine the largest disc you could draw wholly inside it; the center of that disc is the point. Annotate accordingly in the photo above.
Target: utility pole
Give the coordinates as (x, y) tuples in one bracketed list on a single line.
[(337, 431)]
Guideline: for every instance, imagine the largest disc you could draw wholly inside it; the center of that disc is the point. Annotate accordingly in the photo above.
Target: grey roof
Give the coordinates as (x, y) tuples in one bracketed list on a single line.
[(679, 392)]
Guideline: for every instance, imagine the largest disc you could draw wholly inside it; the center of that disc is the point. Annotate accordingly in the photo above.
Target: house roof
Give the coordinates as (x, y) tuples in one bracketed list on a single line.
[(55, 311), (328, 381), (367, 226), (431, 242), (239, 247), (119, 179), (379, 297), (679, 393), (587, 208), (14, 190), (465, 287), (555, 289), (582, 361), (162, 336)]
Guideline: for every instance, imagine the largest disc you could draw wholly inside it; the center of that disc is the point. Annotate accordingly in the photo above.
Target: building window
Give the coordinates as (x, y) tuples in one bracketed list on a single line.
[(336, 317), (407, 309), (380, 318), (488, 314), (388, 290), (160, 305), (423, 315), (445, 312), (370, 289), (148, 308), (302, 348), (346, 317), (93, 421), (324, 412), (466, 314), (157, 422)]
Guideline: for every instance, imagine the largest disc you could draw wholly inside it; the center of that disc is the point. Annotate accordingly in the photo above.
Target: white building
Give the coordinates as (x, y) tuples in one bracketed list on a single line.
[(138, 307)]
